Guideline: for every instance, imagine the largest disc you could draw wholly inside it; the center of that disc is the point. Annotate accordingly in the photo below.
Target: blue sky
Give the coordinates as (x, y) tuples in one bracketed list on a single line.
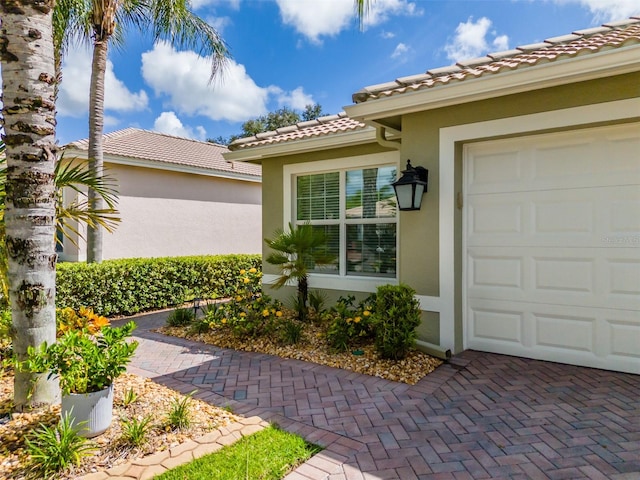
[(294, 52)]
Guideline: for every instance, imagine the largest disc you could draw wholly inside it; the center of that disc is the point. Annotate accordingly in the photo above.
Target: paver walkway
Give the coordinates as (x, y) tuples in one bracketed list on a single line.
[(483, 416)]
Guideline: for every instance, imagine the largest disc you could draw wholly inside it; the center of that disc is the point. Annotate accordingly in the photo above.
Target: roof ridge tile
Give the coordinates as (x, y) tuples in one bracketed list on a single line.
[(472, 62), (563, 38), (580, 42)]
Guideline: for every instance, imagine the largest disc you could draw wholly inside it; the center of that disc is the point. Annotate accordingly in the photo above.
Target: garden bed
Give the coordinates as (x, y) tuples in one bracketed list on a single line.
[(313, 347), (152, 399)]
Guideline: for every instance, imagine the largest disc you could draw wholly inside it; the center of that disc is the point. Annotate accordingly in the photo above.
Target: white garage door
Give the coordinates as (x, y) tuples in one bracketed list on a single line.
[(552, 242)]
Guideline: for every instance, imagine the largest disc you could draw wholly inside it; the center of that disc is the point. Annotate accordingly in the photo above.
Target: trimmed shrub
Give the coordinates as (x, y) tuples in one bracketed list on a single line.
[(396, 317), (128, 286)]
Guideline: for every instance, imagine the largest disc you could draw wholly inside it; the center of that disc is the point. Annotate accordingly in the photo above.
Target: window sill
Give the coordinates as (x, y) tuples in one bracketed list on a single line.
[(335, 282)]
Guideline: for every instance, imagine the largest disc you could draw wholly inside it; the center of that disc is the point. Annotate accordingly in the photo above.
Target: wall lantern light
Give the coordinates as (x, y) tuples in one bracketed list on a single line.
[(410, 187)]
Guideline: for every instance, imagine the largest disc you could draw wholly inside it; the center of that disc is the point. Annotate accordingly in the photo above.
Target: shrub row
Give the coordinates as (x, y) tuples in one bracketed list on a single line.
[(128, 286)]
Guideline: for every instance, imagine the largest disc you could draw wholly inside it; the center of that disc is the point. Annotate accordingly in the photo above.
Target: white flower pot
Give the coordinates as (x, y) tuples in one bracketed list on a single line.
[(95, 409)]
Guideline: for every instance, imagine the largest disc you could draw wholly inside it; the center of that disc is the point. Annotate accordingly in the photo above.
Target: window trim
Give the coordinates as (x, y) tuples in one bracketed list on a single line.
[(340, 281)]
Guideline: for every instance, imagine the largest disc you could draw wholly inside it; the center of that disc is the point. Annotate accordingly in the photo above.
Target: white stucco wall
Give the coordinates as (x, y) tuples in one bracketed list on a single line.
[(176, 214)]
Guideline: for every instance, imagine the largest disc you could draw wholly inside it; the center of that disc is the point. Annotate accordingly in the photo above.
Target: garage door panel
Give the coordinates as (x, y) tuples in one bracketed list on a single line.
[(572, 332), (591, 217), (565, 275), (624, 280), (493, 324), (557, 161), (591, 337), (552, 247), (601, 278), (624, 214), (492, 169), (497, 218), (624, 336), (497, 272)]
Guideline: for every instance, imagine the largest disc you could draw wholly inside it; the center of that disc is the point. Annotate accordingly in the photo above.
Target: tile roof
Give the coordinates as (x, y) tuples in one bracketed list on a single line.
[(331, 124), (556, 49), (166, 149)]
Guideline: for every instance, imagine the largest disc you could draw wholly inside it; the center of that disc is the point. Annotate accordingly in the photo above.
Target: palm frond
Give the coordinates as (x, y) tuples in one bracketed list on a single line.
[(74, 173), (173, 21)]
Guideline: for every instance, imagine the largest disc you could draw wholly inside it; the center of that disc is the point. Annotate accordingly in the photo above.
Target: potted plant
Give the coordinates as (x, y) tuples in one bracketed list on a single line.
[(87, 361)]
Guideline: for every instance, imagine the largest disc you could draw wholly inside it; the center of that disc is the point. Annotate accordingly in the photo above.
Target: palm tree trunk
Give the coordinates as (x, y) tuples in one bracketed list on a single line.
[(96, 154), (28, 74), (303, 296)]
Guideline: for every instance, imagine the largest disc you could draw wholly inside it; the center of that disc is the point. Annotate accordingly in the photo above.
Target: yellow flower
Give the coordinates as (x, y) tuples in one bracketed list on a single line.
[(278, 313), (100, 322), (224, 320), (246, 280), (357, 320), (265, 313), (349, 320), (273, 310), (252, 270), (243, 271), (242, 314), (238, 298), (366, 313)]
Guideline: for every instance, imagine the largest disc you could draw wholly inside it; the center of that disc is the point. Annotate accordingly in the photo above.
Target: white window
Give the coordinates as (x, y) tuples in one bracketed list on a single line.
[(356, 208)]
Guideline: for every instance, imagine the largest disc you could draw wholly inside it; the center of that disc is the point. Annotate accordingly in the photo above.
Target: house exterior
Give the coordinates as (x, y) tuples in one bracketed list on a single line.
[(176, 197), (528, 239)]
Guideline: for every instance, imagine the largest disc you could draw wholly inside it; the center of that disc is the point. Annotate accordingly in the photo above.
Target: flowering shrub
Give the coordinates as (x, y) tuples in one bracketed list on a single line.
[(249, 313), (349, 323), (83, 361), (84, 319)]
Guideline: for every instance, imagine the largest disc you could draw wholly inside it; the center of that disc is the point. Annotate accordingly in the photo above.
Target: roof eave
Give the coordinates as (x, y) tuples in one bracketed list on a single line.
[(158, 165), (560, 72), (335, 140)]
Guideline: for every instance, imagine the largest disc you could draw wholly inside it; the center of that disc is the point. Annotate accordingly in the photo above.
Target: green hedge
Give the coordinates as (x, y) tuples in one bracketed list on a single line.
[(128, 286)]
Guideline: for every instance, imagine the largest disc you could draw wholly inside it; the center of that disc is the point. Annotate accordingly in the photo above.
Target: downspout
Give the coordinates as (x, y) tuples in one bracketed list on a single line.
[(426, 347), (433, 350), (381, 138)]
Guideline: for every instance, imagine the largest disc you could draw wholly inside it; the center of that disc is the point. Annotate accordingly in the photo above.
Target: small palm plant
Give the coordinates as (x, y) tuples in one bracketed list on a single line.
[(296, 252)]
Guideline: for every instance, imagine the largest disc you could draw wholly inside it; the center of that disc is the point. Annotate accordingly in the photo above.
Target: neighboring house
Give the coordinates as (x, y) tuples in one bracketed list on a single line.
[(528, 240), (176, 197)]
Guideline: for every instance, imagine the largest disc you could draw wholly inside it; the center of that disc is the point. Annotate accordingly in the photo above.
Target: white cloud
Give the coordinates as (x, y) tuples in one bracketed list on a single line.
[(381, 10), (501, 43), (110, 121), (387, 35), (608, 10), (314, 18), (183, 77), (169, 123), (73, 98), (219, 23), (295, 99), (400, 50), (197, 4), (470, 40)]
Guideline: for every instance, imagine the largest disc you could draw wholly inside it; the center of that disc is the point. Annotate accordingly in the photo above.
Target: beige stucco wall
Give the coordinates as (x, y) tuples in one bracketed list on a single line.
[(173, 214), (419, 230)]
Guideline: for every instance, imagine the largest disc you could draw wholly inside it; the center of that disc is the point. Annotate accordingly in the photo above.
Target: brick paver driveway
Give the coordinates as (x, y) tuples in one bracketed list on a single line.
[(482, 417)]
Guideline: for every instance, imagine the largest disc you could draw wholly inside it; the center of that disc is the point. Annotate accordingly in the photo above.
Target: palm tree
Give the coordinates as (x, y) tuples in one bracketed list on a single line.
[(296, 252), (28, 84), (99, 22)]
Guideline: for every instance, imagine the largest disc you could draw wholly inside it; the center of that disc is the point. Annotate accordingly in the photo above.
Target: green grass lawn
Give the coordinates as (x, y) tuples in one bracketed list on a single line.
[(267, 455)]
